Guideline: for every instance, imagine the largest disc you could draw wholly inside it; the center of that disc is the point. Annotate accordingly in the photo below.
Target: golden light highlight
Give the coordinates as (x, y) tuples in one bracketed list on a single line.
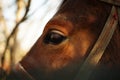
[(86, 41)]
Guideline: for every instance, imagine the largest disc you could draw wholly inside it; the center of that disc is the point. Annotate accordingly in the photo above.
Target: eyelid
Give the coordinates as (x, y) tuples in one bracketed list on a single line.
[(57, 31)]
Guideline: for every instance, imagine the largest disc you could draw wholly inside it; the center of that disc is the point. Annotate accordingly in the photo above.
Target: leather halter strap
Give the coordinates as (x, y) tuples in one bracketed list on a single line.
[(99, 47), (115, 3), (22, 71)]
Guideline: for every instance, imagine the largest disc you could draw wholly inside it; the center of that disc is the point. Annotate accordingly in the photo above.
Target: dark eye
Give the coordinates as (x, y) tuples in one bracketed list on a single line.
[(54, 37)]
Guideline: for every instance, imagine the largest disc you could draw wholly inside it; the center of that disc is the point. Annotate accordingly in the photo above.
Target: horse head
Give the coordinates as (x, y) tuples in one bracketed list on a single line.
[(67, 41)]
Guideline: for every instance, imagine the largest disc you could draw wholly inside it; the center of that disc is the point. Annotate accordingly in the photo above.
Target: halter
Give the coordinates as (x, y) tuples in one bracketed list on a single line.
[(98, 49), (25, 74), (100, 45)]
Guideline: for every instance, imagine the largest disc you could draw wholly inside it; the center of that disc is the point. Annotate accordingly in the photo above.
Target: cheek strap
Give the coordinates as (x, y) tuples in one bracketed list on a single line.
[(99, 48)]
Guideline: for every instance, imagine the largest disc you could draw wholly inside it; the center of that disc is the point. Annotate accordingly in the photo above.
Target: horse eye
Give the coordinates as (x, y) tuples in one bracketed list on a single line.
[(54, 37)]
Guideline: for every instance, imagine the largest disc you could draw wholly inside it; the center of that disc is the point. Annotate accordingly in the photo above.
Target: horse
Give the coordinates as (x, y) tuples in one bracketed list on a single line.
[(66, 43)]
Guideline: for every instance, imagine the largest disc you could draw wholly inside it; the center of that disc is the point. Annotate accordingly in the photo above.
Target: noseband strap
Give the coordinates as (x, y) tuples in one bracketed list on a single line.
[(99, 47), (24, 73)]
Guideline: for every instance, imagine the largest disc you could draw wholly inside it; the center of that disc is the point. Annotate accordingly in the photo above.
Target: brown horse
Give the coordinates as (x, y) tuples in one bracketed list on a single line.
[(67, 41)]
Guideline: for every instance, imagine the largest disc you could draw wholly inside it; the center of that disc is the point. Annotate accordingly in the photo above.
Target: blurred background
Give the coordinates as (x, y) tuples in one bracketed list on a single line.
[(21, 24)]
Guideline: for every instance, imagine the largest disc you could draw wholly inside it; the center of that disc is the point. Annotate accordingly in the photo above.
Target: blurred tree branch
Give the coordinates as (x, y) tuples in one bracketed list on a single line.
[(14, 30), (3, 30), (20, 7)]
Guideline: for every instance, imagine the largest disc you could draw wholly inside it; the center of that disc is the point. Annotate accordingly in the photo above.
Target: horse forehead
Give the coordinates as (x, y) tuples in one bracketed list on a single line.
[(60, 22), (70, 18), (69, 23)]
